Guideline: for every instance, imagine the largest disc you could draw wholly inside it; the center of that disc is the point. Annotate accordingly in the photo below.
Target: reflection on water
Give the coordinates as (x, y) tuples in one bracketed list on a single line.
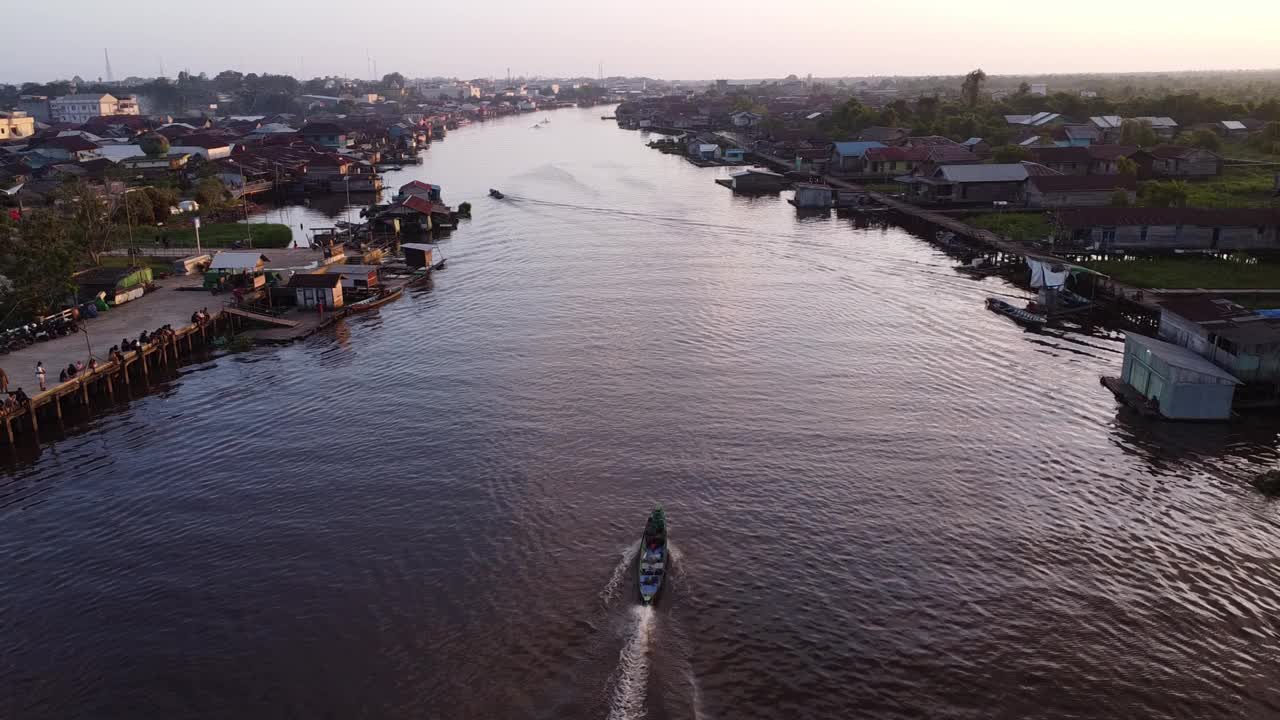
[(889, 502)]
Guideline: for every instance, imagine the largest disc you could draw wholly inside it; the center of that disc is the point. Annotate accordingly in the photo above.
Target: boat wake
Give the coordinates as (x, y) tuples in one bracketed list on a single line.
[(625, 558), (632, 675)]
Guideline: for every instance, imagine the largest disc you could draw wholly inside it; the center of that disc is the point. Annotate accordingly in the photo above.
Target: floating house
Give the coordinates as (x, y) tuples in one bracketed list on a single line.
[(1172, 381), (418, 255), (810, 196), (356, 277), (314, 290), (756, 181)]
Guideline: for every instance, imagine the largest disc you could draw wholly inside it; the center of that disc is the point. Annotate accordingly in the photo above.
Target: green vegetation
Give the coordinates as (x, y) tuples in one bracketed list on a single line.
[(218, 235), (1023, 227), (1010, 154), (1237, 187), (1198, 272)]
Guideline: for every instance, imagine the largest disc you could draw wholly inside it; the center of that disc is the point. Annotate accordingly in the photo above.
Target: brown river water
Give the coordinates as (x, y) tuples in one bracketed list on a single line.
[(885, 500)]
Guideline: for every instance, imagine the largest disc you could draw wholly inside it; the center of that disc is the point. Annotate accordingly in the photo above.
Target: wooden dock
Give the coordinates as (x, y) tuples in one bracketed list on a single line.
[(135, 366)]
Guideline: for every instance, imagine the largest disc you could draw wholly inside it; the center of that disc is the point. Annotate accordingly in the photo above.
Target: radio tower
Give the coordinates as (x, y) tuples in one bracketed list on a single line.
[(107, 56)]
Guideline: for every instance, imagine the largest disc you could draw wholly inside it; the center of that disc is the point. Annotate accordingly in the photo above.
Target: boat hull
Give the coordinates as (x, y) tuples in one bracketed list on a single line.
[(653, 560)]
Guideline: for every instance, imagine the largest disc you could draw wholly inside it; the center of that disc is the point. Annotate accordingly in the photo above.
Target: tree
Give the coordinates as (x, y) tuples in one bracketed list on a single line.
[(1206, 139), (1010, 154), (210, 193), (1168, 194), (1120, 198), (161, 200), (393, 83), (1023, 89), (154, 144), (972, 87), (38, 257), (91, 215), (1127, 166), (1138, 132)]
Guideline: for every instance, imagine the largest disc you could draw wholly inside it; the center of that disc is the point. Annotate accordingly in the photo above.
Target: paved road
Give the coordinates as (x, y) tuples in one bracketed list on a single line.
[(167, 305)]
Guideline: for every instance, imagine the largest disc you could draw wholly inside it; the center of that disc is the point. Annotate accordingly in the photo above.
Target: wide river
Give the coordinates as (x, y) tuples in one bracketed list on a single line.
[(885, 500)]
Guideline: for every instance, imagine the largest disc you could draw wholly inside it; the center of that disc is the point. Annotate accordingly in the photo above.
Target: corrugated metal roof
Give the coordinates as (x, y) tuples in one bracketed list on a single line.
[(1012, 172), (856, 148), (237, 260), (1159, 122), (1106, 122), (1180, 357), (1233, 125)]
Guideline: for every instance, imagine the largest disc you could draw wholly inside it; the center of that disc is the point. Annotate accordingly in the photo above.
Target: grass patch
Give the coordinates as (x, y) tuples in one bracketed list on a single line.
[(219, 235), (1174, 273), (1023, 227), (1237, 187)]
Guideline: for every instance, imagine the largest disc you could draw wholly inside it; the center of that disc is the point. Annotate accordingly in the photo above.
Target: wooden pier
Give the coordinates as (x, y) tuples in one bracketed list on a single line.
[(108, 378)]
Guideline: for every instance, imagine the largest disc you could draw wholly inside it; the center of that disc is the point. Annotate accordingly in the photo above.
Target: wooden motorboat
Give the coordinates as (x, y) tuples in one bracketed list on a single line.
[(654, 559), (1023, 317), (373, 301)]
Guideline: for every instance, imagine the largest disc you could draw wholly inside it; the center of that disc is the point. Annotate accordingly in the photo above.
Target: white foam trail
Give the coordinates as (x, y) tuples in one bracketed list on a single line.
[(633, 669), (626, 556)]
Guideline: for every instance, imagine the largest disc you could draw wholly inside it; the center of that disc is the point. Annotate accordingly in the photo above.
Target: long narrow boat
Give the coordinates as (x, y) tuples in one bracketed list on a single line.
[(654, 560), (1025, 318), (378, 300)]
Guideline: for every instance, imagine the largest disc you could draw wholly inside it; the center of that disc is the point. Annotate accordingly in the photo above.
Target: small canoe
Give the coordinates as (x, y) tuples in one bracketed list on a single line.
[(1023, 317), (495, 194), (378, 300), (654, 560)]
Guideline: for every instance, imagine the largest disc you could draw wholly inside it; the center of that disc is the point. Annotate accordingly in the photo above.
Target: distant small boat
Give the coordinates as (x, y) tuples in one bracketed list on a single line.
[(654, 559), (495, 194), (1023, 317)]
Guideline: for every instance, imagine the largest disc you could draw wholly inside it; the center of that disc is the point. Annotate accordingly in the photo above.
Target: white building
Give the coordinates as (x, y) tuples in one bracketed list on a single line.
[(14, 125), (1040, 89), (80, 108)]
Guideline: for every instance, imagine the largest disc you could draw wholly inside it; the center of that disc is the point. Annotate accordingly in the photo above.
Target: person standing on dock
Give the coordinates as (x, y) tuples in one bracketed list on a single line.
[(40, 375), (4, 381)]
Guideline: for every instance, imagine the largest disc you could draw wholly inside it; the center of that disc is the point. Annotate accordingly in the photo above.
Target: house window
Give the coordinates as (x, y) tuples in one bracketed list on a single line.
[(1108, 235), (1145, 230)]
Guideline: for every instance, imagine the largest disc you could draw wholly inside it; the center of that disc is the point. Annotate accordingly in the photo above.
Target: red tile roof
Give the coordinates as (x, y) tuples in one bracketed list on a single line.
[(949, 154), (418, 204)]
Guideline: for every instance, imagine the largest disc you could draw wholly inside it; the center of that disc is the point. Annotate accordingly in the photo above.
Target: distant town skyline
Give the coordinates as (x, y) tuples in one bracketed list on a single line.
[(570, 38)]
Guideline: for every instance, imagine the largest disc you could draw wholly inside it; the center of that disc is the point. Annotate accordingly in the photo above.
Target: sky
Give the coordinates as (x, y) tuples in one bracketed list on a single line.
[(658, 38)]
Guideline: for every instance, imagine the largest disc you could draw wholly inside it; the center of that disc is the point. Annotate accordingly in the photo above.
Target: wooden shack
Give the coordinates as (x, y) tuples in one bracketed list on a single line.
[(312, 290), (418, 255)]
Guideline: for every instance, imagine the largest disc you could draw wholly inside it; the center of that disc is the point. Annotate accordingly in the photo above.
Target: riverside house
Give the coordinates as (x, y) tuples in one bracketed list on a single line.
[(1117, 229)]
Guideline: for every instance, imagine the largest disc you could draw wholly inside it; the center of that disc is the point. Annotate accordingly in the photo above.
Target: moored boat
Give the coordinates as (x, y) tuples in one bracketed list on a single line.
[(654, 560), (1023, 317), (374, 301)]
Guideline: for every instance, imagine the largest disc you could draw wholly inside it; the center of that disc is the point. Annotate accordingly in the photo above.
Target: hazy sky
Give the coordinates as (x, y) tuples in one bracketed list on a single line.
[(50, 39)]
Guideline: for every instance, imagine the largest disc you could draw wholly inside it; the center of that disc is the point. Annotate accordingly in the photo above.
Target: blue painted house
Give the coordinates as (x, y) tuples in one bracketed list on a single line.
[(850, 157)]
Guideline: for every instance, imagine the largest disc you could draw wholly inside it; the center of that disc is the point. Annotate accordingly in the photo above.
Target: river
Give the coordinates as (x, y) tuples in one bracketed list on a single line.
[(885, 500)]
